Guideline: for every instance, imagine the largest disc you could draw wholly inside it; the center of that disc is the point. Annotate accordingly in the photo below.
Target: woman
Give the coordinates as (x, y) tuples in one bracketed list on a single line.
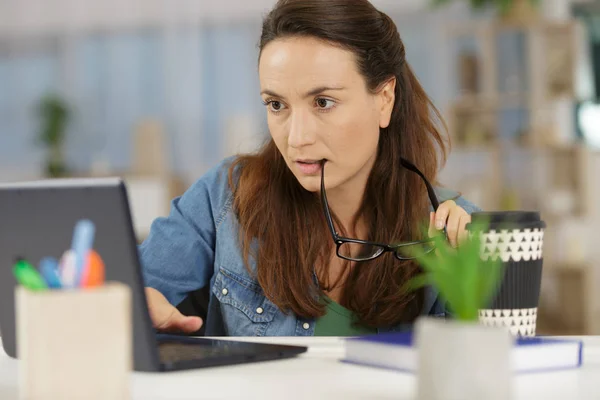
[(351, 132)]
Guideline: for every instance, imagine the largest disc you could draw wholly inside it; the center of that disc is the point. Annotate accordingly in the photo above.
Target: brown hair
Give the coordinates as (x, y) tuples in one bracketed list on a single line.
[(287, 221)]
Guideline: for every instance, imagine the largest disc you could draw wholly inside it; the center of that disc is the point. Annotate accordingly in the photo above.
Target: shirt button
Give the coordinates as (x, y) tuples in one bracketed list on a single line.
[(225, 291), (259, 310), (306, 325)]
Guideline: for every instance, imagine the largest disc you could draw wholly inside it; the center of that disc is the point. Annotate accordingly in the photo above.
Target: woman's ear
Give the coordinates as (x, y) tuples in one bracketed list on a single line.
[(387, 97)]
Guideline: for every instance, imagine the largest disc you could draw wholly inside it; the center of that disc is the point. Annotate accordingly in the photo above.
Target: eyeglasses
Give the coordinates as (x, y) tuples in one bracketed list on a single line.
[(362, 250)]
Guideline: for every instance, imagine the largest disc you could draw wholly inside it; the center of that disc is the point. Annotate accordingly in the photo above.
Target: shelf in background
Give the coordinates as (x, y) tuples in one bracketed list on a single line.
[(478, 101)]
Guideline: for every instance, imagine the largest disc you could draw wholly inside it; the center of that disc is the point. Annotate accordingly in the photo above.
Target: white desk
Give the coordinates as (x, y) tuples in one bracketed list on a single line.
[(319, 375)]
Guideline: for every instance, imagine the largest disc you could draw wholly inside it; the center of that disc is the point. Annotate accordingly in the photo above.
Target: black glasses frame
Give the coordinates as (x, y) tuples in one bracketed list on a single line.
[(383, 248)]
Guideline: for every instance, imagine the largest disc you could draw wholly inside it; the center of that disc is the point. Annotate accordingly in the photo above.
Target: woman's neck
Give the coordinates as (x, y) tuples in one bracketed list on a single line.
[(345, 206)]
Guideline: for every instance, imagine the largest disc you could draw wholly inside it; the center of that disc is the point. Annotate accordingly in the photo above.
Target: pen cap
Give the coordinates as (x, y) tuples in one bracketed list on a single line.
[(28, 276), (93, 273)]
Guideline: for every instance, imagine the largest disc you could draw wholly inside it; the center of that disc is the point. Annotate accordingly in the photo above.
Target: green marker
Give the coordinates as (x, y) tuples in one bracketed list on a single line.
[(28, 276)]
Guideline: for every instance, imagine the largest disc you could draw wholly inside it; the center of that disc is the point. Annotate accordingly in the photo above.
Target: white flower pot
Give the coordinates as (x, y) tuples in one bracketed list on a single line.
[(462, 361)]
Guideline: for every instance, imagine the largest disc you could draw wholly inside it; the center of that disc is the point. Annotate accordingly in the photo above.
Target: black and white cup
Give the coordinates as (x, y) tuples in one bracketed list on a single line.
[(516, 237)]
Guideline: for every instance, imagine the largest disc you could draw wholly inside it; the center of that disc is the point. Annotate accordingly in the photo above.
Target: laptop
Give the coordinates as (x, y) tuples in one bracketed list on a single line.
[(37, 220)]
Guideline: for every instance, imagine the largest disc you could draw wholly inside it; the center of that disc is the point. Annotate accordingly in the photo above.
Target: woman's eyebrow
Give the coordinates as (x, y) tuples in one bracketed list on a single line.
[(310, 93), (270, 93), (322, 89)]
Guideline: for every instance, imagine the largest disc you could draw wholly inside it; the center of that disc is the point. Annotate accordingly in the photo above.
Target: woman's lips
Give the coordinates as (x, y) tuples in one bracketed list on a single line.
[(309, 167)]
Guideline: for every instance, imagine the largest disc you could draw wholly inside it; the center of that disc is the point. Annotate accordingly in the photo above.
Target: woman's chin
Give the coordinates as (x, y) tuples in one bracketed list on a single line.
[(309, 183)]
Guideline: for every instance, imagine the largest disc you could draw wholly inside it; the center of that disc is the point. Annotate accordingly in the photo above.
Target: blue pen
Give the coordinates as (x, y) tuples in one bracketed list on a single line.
[(49, 271), (83, 240)]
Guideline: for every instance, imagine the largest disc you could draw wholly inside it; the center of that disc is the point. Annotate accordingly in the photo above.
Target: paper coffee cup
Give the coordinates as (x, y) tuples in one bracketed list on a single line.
[(516, 238)]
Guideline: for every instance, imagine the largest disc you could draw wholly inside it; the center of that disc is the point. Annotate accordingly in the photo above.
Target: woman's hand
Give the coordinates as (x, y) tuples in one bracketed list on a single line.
[(452, 217), (166, 318)]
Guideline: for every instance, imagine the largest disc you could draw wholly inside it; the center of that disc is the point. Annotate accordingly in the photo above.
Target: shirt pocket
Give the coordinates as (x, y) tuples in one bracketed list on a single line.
[(245, 309)]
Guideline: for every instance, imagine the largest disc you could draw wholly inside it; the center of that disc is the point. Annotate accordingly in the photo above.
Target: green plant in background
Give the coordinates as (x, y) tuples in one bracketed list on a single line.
[(463, 279), (503, 6), (54, 116)]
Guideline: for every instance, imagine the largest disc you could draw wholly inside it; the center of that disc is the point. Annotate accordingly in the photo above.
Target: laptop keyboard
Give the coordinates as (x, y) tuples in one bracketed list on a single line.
[(171, 352)]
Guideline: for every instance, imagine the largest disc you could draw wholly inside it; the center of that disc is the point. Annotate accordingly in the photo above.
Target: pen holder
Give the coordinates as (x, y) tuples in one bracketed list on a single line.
[(74, 344)]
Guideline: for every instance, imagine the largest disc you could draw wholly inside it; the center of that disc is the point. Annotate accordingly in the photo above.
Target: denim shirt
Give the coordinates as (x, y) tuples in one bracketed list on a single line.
[(196, 245)]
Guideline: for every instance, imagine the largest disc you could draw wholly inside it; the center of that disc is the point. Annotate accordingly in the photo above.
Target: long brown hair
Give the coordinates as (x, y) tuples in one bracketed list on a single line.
[(287, 222)]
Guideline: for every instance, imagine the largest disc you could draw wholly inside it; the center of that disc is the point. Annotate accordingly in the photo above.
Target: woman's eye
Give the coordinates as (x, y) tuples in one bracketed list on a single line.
[(325, 104), (275, 105)]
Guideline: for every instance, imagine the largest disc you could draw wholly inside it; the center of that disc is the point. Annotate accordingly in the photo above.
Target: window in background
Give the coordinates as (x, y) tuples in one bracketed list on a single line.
[(231, 103), (28, 70), (588, 110), (118, 83), (588, 116)]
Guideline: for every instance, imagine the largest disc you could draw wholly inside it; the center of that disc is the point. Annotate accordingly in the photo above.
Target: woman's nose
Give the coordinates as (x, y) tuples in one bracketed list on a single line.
[(302, 132)]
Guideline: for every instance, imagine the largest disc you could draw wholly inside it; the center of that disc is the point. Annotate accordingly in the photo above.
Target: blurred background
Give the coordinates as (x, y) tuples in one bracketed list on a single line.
[(158, 91)]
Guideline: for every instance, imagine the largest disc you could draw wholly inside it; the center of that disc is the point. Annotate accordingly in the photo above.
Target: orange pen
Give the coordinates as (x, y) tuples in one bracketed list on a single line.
[(93, 273)]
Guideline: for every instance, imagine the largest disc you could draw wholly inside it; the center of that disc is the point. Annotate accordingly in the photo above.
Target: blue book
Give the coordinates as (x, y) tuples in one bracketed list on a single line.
[(396, 351)]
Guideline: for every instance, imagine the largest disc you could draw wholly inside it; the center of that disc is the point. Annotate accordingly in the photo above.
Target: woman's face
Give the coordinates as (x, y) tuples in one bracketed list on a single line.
[(319, 108)]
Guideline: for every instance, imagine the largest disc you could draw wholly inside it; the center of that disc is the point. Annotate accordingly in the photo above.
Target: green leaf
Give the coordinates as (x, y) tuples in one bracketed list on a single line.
[(448, 284), (438, 3), (504, 5), (417, 282), (443, 275), (463, 280), (473, 272)]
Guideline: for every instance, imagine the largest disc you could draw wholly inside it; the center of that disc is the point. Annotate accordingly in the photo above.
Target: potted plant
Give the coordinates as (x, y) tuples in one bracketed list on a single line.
[(54, 116), (508, 10), (460, 358)]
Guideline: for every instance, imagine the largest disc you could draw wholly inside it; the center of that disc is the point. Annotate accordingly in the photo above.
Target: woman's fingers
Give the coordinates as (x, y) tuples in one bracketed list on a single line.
[(463, 234), (452, 217)]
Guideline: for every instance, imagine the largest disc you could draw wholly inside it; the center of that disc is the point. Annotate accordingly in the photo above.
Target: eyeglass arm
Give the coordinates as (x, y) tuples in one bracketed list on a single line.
[(432, 197)]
